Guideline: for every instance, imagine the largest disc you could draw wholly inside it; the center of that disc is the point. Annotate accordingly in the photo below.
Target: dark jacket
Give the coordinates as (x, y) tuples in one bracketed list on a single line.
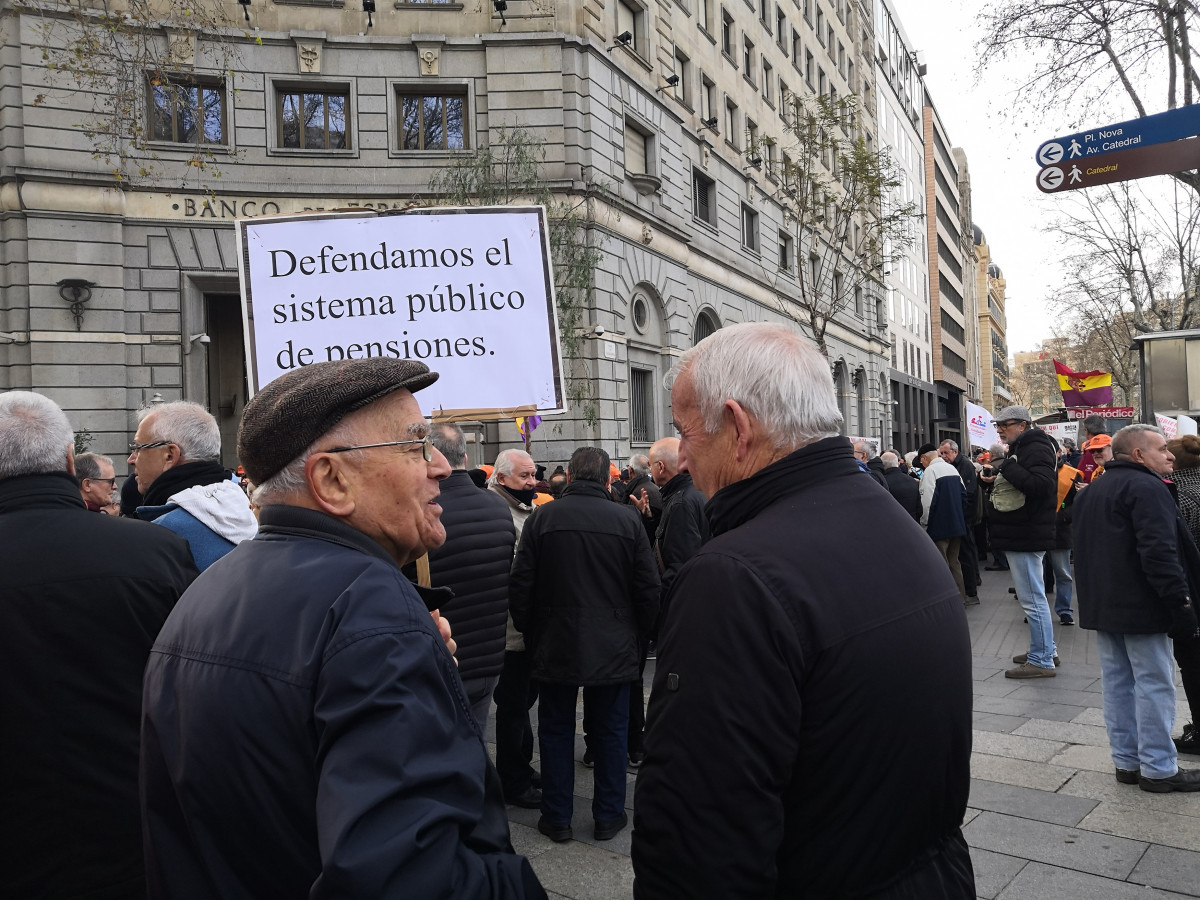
[(972, 497), (305, 733), (682, 531), (1029, 466), (84, 597), (906, 490), (1065, 517), (1133, 552), (876, 470), (776, 673), (943, 487), (584, 588), (474, 563), (650, 522)]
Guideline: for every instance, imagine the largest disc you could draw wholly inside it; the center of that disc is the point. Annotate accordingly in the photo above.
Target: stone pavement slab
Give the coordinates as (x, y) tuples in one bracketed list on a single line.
[(1044, 806), (1169, 869), (1019, 772), (993, 871), (1016, 746), (1037, 880), (1057, 845)]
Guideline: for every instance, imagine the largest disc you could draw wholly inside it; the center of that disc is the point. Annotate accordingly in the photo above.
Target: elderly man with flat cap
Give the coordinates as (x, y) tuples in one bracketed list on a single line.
[(305, 731)]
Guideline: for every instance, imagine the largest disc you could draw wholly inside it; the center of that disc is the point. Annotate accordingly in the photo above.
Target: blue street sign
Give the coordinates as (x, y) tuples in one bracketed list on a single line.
[(1157, 129)]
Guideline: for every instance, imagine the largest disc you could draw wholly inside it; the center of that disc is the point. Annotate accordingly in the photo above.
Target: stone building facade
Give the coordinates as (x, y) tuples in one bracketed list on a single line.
[(320, 111)]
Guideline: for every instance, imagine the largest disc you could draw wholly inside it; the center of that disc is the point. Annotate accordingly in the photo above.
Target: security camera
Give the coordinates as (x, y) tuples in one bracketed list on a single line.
[(597, 330)]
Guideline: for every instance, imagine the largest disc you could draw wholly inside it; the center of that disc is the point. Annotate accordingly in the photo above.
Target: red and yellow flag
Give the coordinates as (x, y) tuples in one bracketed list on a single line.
[(1084, 388)]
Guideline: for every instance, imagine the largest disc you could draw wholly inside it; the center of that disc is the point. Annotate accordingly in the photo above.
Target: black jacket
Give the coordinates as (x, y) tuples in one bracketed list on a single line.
[(474, 563), (765, 774), (1065, 517), (584, 588), (1030, 467), (650, 522), (1133, 553), (906, 490), (84, 597), (876, 470), (972, 497), (305, 734), (682, 531)]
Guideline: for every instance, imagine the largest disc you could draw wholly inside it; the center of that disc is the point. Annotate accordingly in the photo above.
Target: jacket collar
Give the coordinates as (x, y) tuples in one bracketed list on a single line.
[(738, 503), (1117, 465), (299, 521), (586, 489), (496, 488), (52, 490), (680, 482)]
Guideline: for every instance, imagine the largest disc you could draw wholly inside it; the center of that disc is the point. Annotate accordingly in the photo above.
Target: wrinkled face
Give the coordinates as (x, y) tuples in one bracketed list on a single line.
[(522, 478), (100, 490), (711, 458), (148, 464), (947, 454), (1102, 455), (1154, 455), (1011, 429), (395, 490)]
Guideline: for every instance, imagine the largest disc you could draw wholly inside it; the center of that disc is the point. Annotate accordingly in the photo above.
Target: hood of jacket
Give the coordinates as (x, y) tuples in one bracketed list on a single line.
[(221, 507)]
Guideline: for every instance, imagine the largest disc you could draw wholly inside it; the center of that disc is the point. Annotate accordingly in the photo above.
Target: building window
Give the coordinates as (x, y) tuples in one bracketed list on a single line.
[(821, 82), (808, 10), (641, 406), (781, 28), (764, 14), (706, 15), (727, 34), (748, 59), (433, 121), (820, 29), (314, 119), (705, 325), (749, 229), (731, 132), (637, 150), (768, 83), (808, 68), (708, 93), (188, 111), (751, 136), (704, 197), (683, 68), (629, 18), (859, 309), (796, 48), (786, 252)]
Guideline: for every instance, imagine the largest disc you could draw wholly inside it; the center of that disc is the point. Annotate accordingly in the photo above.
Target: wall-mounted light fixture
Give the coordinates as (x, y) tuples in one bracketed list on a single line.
[(753, 162), (76, 292), (710, 124), (369, 8), (672, 80), (500, 6), (201, 338), (623, 40), (245, 5)]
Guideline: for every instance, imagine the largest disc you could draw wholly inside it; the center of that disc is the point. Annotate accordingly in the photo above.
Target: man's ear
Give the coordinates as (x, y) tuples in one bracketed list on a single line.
[(71, 460), (174, 456), (745, 428), (329, 485)]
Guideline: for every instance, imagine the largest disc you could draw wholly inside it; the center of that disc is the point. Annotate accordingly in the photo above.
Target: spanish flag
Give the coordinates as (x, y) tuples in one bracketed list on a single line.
[(1084, 388)]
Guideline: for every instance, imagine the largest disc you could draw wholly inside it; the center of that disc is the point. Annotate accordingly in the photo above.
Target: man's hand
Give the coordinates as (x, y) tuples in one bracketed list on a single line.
[(642, 503), (443, 627), (1183, 623)]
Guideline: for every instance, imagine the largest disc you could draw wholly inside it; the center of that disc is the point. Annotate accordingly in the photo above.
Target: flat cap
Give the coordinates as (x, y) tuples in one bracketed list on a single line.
[(295, 409), (1020, 413)]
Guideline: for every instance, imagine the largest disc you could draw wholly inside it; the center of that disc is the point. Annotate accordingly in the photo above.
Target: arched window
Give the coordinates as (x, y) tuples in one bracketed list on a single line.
[(706, 324)]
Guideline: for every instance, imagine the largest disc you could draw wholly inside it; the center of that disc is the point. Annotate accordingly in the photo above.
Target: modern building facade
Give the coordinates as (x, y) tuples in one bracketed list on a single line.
[(651, 108), (994, 371)]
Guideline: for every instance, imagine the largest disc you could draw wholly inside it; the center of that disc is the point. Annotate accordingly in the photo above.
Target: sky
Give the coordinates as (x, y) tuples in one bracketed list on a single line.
[(1006, 204)]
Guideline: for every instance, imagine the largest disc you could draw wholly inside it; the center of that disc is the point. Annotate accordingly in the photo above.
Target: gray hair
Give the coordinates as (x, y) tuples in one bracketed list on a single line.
[(996, 451), (34, 435), (290, 481), (187, 425), (507, 461), (87, 465), (867, 447), (890, 460), (640, 464), (774, 372), (953, 445), (451, 443), (1131, 437)]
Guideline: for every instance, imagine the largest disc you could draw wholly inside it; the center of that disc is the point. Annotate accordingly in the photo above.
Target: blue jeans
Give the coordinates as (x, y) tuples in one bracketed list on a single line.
[(1137, 674), (1064, 582), (1026, 568), (607, 711)]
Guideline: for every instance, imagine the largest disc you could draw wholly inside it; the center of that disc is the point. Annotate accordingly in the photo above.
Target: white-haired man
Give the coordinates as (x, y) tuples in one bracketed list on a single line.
[(780, 655), (514, 475), (176, 458), (305, 731), (84, 597)]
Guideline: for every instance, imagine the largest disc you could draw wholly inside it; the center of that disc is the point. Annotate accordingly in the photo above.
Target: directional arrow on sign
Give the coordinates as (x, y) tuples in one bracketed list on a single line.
[(1158, 159), (1171, 125)]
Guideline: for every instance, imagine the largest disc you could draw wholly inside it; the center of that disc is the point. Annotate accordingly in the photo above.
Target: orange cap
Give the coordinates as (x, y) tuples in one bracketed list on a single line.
[(613, 470), (1100, 440)]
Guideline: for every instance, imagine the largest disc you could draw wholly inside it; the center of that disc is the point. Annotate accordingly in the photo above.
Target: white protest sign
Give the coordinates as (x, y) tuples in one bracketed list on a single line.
[(1168, 425), (981, 427), (468, 292), (1061, 431)]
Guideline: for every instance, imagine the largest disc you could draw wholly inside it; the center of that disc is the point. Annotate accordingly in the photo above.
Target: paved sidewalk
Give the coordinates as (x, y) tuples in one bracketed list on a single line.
[(1046, 818)]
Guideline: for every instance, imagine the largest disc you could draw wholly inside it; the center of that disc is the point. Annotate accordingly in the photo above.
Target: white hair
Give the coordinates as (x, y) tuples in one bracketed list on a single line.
[(507, 461), (289, 481), (34, 435), (187, 425), (890, 460), (640, 464), (774, 372)]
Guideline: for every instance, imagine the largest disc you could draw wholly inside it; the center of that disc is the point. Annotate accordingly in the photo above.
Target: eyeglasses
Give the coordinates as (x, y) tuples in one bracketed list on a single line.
[(111, 482), (137, 448), (425, 442), (1008, 423)]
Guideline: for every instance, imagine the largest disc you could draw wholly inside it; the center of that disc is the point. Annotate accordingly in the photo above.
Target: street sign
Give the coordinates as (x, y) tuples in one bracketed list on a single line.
[(1159, 159), (1171, 125)]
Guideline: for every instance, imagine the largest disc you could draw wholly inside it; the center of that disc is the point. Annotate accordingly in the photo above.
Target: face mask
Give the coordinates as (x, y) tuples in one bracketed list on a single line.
[(525, 497)]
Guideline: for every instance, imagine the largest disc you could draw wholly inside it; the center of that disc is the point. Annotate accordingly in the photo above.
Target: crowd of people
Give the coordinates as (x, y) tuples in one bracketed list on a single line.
[(276, 681)]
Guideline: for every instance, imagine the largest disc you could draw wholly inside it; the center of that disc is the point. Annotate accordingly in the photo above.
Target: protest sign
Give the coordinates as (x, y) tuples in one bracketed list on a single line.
[(981, 427), (467, 291)]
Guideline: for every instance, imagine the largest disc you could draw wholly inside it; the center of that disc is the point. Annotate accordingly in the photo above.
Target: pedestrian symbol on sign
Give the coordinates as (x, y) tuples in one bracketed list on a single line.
[(1076, 175), (1050, 178), (1050, 154), (1076, 148)]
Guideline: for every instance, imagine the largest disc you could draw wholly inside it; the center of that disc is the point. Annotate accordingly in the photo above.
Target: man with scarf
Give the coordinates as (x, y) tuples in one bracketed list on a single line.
[(176, 457), (784, 659)]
